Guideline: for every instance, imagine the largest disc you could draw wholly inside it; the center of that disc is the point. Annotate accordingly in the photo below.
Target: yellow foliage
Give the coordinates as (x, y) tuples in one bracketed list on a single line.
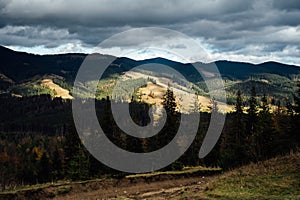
[(37, 152)]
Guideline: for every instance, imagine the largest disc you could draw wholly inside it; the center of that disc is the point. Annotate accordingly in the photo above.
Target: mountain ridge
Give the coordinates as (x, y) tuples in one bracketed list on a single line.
[(22, 67), (3, 48)]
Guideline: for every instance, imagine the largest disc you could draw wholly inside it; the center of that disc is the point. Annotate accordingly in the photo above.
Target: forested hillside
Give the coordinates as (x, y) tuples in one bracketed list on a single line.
[(39, 142), (22, 74)]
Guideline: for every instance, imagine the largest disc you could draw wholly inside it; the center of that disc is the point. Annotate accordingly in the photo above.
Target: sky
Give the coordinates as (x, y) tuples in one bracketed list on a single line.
[(249, 30)]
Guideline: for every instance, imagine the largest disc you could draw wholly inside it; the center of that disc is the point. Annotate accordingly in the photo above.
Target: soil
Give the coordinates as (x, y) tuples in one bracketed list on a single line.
[(167, 189), (158, 187)]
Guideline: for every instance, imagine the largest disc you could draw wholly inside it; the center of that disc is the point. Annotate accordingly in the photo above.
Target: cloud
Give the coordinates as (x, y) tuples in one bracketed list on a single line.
[(251, 28), (115, 12), (286, 5), (31, 36)]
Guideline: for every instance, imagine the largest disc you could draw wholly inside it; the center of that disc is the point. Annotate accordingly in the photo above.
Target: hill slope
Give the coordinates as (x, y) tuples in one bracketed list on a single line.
[(278, 178), (276, 79)]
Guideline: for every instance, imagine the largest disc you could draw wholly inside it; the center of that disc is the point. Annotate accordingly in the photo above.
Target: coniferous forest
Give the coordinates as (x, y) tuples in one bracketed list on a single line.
[(39, 143)]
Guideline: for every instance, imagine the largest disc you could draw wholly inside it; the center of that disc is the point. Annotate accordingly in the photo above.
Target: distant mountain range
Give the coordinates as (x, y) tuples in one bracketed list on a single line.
[(20, 69)]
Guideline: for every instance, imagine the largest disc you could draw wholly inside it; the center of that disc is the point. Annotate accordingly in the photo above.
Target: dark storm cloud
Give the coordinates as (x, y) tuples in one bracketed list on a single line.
[(287, 5), (114, 12), (226, 26), (31, 36)]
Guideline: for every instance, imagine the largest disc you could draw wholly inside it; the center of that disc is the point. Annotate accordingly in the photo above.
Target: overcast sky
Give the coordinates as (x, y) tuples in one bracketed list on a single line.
[(241, 30)]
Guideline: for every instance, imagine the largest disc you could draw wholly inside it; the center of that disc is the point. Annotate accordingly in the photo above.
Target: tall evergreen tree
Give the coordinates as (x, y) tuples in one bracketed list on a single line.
[(213, 106), (169, 102), (252, 123), (296, 117), (239, 118), (240, 145), (171, 126), (196, 104), (76, 157), (234, 147), (252, 113), (44, 169), (56, 170), (282, 129), (297, 100), (264, 136)]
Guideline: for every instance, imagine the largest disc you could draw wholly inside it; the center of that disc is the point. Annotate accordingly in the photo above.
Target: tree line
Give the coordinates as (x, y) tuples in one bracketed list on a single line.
[(39, 142)]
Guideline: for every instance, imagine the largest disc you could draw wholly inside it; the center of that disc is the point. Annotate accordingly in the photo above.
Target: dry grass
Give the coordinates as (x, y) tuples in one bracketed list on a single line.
[(186, 170), (153, 94), (61, 92), (278, 178)]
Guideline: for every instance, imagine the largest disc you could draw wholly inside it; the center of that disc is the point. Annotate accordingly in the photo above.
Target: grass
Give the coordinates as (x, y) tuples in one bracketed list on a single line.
[(63, 190), (278, 178), (185, 170), (61, 185)]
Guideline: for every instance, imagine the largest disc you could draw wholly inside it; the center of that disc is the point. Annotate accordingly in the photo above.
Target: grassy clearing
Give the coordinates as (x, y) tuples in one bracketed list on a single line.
[(278, 178)]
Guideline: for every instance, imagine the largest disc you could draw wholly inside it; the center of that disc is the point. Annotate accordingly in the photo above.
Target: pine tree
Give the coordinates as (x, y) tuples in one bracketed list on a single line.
[(252, 113), (297, 100), (76, 157), (290, 108), (57, 171), (171, 126), (214, 108), (169, 102), (196, 104), (296, 117), (44, 170), (264, 137), (252, 124), (79, 165), (240, 145), (239, 118), (233, 146)]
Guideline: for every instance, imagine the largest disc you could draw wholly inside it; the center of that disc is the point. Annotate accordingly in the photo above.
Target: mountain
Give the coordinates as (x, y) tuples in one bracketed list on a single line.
[(20, 69)]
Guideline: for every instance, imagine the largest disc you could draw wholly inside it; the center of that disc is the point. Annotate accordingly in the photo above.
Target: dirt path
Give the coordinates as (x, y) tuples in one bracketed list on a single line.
[(61, 92), (187, 185), (183, 188)]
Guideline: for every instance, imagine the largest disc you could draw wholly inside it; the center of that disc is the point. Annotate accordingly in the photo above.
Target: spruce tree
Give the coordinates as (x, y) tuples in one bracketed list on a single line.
[(171, 126), (76, 156), (56, 170), (297, 100), (213, 106), (252, 124), (264, 137), (296, 117), (169, 102), (240, 145), (239, 118), (252, 113), (196, 104), (234, 146), (44, 169)]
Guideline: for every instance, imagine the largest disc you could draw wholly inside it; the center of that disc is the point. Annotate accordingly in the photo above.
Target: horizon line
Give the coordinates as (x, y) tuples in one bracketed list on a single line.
[(151, 58)]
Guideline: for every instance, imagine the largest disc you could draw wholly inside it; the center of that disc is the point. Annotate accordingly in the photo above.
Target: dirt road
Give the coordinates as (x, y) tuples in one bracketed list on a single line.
[(183, 188)]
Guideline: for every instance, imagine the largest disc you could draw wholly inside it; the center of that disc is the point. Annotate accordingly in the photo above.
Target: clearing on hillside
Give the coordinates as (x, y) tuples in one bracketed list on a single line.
[(60, 92)]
